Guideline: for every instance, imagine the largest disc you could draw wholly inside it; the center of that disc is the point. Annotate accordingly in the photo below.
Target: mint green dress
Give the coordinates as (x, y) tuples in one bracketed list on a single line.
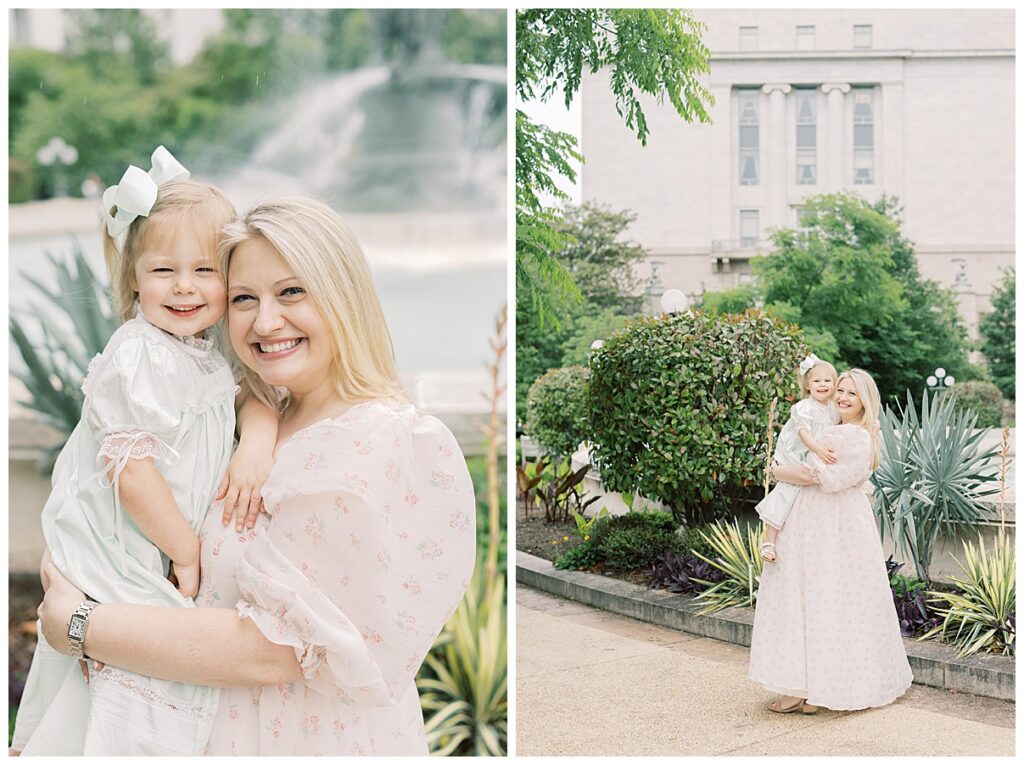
[(149, 394)]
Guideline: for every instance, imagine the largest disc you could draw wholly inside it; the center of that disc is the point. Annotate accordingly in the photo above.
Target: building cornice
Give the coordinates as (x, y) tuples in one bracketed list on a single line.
[(857, 54)]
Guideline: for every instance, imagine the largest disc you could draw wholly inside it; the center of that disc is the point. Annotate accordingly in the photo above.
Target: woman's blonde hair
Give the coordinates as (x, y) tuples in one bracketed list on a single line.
[(178, 203), (325, 256), (867, 392), (805, 378)]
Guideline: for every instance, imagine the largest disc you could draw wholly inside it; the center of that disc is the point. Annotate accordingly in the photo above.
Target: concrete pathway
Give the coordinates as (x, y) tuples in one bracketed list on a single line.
[(594, 683)]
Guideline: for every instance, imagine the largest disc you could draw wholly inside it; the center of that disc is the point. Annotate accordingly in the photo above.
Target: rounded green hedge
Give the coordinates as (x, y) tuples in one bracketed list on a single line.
[(556, 410), (678, 407), (984, 398)]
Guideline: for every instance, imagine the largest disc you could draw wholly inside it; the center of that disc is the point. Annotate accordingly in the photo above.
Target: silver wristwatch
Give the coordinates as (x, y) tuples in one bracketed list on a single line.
[(77, 626)]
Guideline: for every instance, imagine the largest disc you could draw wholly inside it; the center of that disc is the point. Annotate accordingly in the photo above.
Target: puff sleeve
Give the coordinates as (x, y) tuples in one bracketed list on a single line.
[(852, 447), (369, 549), (134, 399)]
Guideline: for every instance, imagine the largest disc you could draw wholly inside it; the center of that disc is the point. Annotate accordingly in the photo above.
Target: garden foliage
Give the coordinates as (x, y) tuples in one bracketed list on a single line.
[(678, 407), (930, 478), (647, 53), (556, 415), (629, 542), (601, 261), (737, 554), (999, 335), (850, 279), (983, 614), (984, 399)]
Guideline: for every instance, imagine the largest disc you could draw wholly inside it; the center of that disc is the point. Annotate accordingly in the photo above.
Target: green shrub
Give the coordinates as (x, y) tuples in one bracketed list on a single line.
[(678, 407), (629, 542), (556, 410), (984, 398), (998, 331)]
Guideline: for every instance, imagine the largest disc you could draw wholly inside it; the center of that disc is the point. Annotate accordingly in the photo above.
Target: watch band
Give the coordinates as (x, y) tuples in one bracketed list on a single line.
[(77, 626)]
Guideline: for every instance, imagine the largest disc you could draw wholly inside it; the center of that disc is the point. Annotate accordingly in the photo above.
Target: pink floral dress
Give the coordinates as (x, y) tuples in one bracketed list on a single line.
[(366, 548), (825, 628)]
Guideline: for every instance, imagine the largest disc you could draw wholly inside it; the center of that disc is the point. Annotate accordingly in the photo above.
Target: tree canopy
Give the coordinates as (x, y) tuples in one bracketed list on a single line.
[(850, 279), (999, 335)]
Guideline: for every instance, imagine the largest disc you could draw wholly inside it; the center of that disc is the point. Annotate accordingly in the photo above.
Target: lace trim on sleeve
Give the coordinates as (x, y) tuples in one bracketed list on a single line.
[(117, 447)]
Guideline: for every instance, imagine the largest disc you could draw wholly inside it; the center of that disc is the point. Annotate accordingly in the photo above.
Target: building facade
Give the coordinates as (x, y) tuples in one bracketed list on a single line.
[(913, 104)]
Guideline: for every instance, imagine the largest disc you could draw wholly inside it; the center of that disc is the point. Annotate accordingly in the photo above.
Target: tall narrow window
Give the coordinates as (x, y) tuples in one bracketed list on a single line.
[(863, 136), (748, 38), (805, 38), (750, 228), (806, 138), (861, 35), (749, 144)]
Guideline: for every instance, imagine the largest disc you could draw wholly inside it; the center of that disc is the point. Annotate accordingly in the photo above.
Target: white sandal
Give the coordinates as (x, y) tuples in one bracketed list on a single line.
[(768, 547)]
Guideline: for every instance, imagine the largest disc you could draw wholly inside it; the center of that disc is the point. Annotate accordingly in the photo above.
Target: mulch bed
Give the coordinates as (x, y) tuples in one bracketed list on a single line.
[(546, 540)]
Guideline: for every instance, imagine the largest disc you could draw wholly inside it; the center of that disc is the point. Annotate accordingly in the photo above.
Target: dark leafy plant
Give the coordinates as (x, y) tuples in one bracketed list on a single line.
[(528, 478), (560, 495), (912, 610), (556, 410), (677, 407), (999, 334), (583, 556), (55, 366), (682, 573), (931, 476)]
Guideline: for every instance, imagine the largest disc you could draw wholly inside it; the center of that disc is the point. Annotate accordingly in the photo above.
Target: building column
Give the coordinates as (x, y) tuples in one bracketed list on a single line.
[(775, 177), (835, 167)]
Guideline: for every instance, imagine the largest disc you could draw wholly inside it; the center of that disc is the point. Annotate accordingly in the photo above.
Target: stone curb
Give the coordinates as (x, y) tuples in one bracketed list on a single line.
[(934, 664)]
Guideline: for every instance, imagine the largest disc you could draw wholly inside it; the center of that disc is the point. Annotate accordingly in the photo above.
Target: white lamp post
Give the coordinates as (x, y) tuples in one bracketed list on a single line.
[(62, 154)]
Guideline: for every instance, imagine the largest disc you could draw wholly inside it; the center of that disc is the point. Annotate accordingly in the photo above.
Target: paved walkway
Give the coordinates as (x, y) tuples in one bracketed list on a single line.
[(594, 683)]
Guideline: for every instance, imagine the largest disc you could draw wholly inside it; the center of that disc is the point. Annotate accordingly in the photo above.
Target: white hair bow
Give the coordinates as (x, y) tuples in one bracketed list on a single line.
[(808, 364), (136, 193)]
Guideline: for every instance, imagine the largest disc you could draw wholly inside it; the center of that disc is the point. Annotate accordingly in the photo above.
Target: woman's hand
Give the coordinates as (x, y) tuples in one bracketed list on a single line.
[(60, 600), (247, 472)]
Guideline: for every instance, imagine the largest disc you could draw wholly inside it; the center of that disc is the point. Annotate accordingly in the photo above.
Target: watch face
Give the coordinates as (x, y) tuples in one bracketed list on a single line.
[(77, 627)]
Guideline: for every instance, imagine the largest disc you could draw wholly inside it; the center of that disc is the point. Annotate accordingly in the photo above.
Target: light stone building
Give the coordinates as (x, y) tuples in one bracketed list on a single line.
[(916, 103)]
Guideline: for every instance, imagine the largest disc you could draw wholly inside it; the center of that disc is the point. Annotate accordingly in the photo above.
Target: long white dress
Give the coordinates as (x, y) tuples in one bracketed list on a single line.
[(365, 551), (825, 627), (807, 413), (149, 394)]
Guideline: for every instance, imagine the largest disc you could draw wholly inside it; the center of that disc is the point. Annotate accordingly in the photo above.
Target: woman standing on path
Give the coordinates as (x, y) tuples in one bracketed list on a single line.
[(825, 629), (320, 616)]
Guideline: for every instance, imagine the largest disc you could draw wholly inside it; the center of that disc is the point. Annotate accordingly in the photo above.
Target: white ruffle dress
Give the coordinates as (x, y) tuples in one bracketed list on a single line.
[(149, 394), (790, 450), (825, 627), (365, 550)]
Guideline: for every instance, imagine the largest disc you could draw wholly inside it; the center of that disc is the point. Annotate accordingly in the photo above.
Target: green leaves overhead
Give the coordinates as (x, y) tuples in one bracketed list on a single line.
[(647, 53)]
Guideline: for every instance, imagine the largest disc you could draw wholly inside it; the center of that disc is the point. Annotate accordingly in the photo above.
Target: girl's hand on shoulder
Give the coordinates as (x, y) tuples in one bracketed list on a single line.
[(240, 489), (826, 455)]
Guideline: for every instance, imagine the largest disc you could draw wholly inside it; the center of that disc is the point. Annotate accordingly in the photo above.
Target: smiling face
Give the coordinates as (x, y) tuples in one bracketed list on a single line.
[(821, 383), (275, 327), (848, 401), (179, 287)]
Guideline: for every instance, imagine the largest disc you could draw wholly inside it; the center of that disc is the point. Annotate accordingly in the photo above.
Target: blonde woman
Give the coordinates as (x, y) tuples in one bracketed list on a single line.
[(825, 628), (320, 616)]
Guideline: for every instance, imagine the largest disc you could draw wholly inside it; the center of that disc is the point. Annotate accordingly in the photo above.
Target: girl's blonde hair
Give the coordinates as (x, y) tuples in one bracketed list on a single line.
[(178, 204), (867, 392), (325, 256), (804, 379)]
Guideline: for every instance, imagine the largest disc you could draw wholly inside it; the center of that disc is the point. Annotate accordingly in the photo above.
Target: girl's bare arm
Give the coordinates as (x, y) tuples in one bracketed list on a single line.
[(147, 498)]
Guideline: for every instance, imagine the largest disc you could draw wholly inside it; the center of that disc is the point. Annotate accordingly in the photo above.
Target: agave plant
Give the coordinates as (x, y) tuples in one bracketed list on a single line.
[(931, 476), (738, 557), (55, 367), (983, 613), (463, 684)]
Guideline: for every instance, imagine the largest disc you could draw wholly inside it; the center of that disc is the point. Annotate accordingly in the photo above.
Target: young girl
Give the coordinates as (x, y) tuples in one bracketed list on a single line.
[(808, 418), (138, 474)]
